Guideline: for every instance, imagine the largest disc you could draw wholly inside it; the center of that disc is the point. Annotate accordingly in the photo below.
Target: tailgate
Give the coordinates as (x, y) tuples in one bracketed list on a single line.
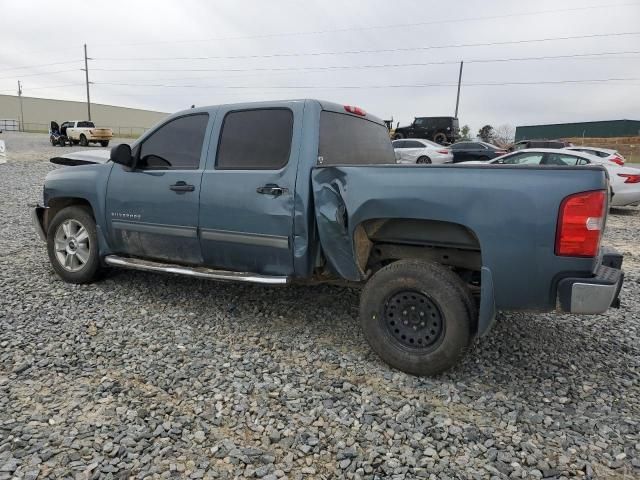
[(512, 211), (101, 132)]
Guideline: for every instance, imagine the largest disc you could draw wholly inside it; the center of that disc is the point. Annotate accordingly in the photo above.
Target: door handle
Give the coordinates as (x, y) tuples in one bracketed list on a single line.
[(182, 187), (271, 189)]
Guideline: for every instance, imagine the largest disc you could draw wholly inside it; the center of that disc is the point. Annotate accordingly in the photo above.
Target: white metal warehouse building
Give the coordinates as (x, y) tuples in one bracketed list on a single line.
[(39, 112)]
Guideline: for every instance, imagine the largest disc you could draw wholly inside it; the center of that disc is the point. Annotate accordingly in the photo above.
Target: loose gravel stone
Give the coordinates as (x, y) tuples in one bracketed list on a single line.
[(150, 376)]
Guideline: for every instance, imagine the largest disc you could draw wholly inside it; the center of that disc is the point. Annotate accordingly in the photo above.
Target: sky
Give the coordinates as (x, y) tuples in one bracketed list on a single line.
[(395, 59)]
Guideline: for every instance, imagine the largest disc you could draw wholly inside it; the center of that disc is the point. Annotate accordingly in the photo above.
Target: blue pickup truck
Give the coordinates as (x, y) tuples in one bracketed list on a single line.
[(308, 191)]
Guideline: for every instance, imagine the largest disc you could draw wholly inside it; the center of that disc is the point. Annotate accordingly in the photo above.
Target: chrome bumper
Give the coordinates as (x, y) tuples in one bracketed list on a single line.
[(37, 217), (595, 294)]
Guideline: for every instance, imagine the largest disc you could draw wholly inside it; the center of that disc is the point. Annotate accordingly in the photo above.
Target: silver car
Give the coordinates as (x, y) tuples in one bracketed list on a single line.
[(418, 150)]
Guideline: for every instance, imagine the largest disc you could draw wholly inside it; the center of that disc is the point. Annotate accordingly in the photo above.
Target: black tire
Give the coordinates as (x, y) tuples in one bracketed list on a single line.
[(90, 269), (440, 138), (450, 308), (398, 136), (423, 160), (104, 143), (83, 141)]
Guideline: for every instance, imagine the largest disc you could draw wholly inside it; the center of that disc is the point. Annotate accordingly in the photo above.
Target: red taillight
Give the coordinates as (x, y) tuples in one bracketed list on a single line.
[(617, 159), (630, 177), (580, 224), (355, 110), (444, 152)]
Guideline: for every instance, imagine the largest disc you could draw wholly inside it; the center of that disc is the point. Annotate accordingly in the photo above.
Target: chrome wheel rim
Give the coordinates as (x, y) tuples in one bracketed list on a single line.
[(72, 245)]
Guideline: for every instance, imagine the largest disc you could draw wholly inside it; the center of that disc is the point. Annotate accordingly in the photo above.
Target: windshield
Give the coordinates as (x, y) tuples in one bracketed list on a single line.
[(349, 140)]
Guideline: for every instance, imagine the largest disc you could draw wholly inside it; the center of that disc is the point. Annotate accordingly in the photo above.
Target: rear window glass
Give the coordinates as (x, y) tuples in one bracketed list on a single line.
[(349, 140), (86, 125)]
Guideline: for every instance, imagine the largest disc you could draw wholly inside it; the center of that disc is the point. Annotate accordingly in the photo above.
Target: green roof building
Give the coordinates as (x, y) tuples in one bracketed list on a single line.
[(607, 128)]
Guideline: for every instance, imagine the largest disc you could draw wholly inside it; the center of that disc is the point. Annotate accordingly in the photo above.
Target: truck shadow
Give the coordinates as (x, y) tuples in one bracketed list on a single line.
[(546, 350)]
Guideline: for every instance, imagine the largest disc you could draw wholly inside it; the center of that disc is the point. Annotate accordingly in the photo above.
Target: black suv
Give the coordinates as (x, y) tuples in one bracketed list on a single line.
[(439, 129)]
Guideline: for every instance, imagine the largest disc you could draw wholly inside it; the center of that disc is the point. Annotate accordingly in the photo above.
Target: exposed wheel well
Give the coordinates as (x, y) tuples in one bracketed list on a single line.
[(57, 204), (377, 242)]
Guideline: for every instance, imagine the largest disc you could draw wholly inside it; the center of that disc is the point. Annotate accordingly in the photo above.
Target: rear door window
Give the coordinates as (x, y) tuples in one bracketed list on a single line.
[(563, 159), (257, 139), (350, 140)]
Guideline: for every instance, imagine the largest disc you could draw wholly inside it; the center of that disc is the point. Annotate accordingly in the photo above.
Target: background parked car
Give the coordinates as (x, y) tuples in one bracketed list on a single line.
[(624, 181), (439, 129), (604, 153), (421, 151), (463, 151), (539, 143)]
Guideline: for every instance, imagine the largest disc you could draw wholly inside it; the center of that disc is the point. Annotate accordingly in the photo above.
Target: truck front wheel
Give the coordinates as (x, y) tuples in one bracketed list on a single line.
[(83, 141), (72, 245), (417, 316)]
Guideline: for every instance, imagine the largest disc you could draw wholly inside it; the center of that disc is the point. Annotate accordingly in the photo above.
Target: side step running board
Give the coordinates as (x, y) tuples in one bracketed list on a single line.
[(198, 272)]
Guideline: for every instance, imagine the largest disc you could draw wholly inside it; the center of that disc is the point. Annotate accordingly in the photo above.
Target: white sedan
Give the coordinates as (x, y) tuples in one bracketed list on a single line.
[(604, 153), (418, 150), (624, 181)]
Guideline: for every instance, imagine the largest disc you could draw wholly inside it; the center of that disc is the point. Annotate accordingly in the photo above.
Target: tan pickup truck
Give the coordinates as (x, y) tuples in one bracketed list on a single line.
[(84, 132)]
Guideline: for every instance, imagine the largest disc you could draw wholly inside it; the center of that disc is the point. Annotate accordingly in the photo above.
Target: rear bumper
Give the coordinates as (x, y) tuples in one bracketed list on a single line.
[(595, 294), (37, 217)]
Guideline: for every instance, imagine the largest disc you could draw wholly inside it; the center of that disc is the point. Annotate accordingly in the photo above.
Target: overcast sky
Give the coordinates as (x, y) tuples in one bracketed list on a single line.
[(278, 44)]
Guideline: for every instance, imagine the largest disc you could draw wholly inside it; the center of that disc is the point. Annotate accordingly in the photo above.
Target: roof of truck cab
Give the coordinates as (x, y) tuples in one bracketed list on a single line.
[(325, 105)]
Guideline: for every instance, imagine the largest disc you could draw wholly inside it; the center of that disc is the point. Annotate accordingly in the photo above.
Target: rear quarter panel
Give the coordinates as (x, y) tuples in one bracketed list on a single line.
[(512, 211)]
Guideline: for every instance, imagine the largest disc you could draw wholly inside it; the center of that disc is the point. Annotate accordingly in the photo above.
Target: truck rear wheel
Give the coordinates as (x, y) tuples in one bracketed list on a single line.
[(417, 316), (72, 245), (104, 143)]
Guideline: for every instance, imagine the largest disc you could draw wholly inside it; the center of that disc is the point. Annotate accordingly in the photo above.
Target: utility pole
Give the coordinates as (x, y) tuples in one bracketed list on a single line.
[(86, 77), (21, 110), (459, 82)]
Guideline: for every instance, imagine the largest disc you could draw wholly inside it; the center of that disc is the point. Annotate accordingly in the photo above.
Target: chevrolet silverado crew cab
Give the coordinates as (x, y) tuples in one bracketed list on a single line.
[(308, 191), (85, 132)]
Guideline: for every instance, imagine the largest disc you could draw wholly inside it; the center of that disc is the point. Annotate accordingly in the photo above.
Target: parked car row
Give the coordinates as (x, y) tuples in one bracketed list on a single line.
[(624, 181)]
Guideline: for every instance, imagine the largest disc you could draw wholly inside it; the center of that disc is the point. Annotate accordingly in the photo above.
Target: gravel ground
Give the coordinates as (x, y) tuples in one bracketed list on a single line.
[(144, 375)]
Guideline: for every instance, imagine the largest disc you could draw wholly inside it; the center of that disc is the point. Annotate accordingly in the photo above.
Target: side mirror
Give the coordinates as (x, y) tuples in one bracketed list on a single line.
[(122, 154)]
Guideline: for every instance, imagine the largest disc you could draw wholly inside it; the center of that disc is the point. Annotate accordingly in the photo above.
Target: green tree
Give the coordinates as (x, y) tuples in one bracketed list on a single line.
[(486, 133), (464, 133)]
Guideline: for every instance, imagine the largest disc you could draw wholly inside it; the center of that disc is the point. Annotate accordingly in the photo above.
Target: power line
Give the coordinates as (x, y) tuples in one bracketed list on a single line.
[(384, 50), (40, 65), (44, 88), (378, 27), (16, 75), (386, 65), (363, 87)]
